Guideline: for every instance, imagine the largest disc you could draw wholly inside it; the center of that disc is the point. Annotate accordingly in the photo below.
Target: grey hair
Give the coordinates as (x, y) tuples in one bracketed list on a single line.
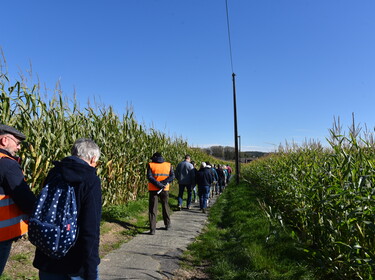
[(86, 149)]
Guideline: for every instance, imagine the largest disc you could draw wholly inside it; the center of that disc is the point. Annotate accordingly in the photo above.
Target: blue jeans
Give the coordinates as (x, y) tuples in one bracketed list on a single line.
[(203, 193), (181, 189), (5, 247)]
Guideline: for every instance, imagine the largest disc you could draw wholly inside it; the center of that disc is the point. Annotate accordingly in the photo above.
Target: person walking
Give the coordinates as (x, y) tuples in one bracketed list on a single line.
[(204, 180), (82, 260), (215, 178), (230, 170), (185, 176), (16, 199), (226, 175), (194, 185), (221, 178), (159, 175)]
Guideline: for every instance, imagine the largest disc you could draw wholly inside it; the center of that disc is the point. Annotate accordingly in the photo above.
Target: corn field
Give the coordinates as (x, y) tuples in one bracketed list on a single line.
[(52, 127), (327, 197)]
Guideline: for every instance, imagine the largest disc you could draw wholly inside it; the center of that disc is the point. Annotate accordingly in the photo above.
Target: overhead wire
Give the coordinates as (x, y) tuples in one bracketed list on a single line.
[(229, 39)]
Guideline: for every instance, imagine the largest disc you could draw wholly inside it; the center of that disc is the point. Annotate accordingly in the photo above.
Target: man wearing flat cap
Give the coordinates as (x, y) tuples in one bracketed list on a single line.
[(159, 175), (16, 198)]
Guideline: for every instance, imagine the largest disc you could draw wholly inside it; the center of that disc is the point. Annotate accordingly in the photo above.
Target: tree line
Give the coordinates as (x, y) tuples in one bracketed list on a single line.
[(228, 153)]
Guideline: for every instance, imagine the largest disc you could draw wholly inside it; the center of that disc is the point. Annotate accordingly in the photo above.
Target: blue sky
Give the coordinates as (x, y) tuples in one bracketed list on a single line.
[(298, 63)]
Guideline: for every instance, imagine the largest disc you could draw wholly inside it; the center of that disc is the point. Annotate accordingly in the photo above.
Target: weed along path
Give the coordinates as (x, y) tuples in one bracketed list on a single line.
[(155, 256)]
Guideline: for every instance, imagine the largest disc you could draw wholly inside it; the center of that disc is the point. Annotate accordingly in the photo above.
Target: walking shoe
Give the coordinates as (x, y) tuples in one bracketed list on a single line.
[(168, 227), (179, 207), (203, 210), (152, 232)]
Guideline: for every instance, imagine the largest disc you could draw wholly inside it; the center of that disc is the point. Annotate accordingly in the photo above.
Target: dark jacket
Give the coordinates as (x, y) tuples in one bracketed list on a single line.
[(214, 174), (204, 177), (12, 183), (184, 173), (151, 178), (83, 258), (221, 175), (195, 171)]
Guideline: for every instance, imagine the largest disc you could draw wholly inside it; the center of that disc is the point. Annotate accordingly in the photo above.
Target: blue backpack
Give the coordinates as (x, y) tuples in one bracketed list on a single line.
[(53, 223)]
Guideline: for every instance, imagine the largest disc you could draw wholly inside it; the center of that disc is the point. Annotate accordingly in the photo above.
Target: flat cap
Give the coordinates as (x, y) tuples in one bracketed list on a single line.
[(6, 129)]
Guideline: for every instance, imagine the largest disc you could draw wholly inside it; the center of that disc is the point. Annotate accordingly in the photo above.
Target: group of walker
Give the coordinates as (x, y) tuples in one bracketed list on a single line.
[(210, 180), (18, 202)]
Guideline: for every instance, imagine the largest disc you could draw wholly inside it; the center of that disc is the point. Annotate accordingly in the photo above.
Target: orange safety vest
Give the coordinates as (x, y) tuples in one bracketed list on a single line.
[(12, 219), (160, 171)]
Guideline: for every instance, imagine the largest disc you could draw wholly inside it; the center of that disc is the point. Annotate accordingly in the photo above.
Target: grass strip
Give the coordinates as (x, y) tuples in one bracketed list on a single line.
[(240, 242)]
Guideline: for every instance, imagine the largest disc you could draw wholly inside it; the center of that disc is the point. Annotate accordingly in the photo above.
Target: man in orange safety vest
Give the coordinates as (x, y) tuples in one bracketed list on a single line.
[(159, 175), (16, 198)]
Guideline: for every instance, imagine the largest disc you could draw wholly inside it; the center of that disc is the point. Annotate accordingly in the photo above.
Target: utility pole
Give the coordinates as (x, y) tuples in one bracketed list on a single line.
[(235, 130), (234, 101)]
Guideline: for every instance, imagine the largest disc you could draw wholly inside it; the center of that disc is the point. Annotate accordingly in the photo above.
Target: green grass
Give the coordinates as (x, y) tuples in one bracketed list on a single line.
[(19, 277), (22, 257), (242, 243)]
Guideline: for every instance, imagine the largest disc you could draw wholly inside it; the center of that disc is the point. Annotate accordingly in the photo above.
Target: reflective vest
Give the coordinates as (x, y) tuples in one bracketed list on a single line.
[(12, 219), (160, 171)]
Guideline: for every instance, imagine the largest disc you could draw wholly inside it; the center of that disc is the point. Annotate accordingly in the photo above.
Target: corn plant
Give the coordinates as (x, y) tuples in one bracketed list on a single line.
[(327, 197), (52, 126)]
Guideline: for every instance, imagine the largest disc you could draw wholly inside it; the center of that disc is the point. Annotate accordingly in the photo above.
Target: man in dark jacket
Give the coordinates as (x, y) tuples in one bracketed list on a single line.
[(204, 179), (16, 198), (186, 177), (159, 175), (82, 260)]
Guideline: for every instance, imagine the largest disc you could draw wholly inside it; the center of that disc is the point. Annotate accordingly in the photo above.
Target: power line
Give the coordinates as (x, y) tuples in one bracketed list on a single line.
[(229, 40)]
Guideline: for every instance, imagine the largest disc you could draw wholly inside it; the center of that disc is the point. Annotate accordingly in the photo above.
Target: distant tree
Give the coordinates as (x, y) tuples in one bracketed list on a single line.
[(217, 151), (229, 153), (207, 151)]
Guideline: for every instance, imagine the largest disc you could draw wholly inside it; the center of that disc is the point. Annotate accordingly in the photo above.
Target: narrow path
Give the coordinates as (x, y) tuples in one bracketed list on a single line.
[(155, 256)]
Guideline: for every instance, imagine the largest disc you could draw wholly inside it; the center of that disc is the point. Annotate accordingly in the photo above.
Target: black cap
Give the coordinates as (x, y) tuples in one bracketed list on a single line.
[(156, 155), (6, 129)]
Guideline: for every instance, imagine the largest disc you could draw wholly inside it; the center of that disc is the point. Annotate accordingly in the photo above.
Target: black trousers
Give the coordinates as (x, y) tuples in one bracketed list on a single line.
[(153, 208)]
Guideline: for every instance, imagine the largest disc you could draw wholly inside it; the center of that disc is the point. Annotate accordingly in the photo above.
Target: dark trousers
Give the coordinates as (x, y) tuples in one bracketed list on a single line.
[(153, 208), (5, 247), (181, 189), (204, 194)]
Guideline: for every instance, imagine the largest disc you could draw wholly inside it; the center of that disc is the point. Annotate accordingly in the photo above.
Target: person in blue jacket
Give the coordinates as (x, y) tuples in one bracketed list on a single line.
[(204, 179), (185, 176), (82, 260)]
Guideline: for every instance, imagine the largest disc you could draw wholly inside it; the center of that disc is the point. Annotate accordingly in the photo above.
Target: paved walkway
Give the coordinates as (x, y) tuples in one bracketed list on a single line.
[(154, 256)]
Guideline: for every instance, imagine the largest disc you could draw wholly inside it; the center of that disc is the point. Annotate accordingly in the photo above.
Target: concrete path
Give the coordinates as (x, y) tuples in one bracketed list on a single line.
[(155, 256)]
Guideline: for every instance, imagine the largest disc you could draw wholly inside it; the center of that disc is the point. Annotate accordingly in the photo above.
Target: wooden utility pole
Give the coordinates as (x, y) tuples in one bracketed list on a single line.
[(235, 130)]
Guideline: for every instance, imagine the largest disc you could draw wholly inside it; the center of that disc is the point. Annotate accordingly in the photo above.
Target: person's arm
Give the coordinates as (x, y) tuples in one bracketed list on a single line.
[(19, 191), (170, 178), (89, 229), (152, 180), (211, 177)]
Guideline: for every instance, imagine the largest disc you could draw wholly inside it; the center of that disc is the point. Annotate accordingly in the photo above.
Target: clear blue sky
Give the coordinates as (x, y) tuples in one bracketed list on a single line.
[(299, 63)]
